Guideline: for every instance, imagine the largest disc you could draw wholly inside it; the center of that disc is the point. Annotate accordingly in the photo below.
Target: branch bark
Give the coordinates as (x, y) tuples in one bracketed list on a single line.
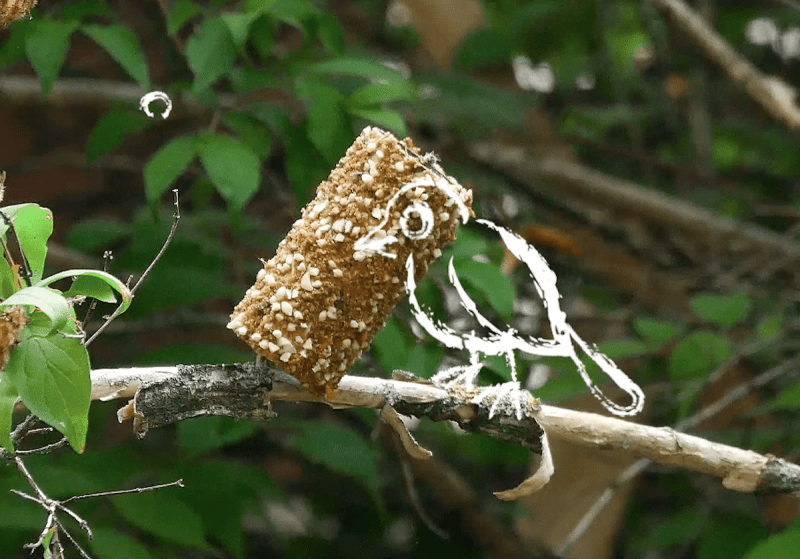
[(773, 94), (164, 395)]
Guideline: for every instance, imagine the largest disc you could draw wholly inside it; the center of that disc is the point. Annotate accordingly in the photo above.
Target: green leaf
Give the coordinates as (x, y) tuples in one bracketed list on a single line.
[(788, 399), (623, 348), (210, 52), (305, 166), (89, 286), (723, 310), (699, 354), (112, 129), (46, 45), (52, 376), (496, 287), (424, 360), (33, 225), (204, 434), (49, 301), (329, 128), (779, 546), (239, 26), (389, 346), (331, 34), (183, 11), (93, 234), (339, 448), (485, 47), (252, 132), (232, 166), (8, 399), (378, 93), (385, 118), (728, 535), (92, 281), (769, 327), (110, 543), (164, 514), (167, 165), (123, 46), (354, 66), (656, 332), (292, 12)]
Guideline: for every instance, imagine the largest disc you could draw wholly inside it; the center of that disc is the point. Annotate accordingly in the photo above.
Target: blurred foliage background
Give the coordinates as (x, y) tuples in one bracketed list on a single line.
[(268, 94)]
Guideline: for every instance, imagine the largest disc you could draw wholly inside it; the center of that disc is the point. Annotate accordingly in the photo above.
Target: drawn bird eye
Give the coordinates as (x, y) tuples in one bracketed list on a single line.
[(417, 220)]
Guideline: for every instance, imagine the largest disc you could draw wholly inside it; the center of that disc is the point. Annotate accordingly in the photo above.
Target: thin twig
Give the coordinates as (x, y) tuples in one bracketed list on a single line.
[(178, 482), (175, 218)]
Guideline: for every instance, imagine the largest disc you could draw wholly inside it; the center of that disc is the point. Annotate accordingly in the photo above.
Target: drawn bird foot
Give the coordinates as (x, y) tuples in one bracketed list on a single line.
[(464, 375), (507, 397)]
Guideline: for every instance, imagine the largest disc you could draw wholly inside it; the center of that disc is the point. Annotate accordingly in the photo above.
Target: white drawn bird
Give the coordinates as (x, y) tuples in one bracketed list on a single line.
[(498, 342)]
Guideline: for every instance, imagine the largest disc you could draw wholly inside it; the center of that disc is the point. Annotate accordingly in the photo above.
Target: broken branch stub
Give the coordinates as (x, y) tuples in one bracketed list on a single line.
[(318, 303)]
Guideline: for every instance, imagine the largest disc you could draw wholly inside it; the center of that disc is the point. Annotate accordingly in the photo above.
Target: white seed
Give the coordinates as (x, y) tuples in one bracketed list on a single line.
[(379, 295), (320, 242), (316, 283), (262, 273), (242, 330), (314, 271), (281, 294), (295, 293), (348, 225), (264, 344), (298, 339), (278, 316), (255, 292), (255, 336), (337, 272), (379, 154), (372, 146), (361, 326), (444, 216), (305, 282), (339, 238), (347, 343), (298, 315), (437, 253), (331, 264), (286, 308), (374, 309), (356, 230), (303, 353), (302, 266), (338, 225), (353, 324), (282, 341), (308, 344), (277, 333), (292, 327), (399, 166), (376, 213), (395, 279), (322, 316), (275, 306), (288, 347), (285, 357), (358, 256), (366, 178)]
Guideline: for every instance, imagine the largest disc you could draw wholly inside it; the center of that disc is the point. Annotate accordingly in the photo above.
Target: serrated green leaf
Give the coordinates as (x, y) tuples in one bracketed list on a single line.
[(239, 25), (656, 332), (52, 377), (328, 128), (46, 45), (33, 225), (8, 399), (385, 118), (110, 543), (374, 94), (496, 287), (210, 52), (204, 434), (123, 46), (353, 66), (252, 132), (183, 11), (167, 165), (339, 448), (232, 166), (94, 278), (112, 129), (49, 301), (722, 310), (699, 354), (165, 515), (623, 348)]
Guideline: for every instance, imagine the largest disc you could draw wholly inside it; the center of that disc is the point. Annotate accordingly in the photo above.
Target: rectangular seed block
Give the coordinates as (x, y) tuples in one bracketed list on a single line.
[(336, 277)]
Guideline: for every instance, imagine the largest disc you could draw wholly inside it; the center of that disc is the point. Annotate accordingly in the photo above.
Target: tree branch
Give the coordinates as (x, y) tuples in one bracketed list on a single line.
[(164, 395)]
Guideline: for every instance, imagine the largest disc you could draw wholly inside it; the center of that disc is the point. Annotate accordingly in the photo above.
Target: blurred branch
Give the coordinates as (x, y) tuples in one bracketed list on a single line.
[(772, 93), (165, 395)]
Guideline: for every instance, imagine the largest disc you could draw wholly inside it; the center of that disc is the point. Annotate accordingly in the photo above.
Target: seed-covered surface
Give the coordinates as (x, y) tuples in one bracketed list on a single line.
[(318, 303)]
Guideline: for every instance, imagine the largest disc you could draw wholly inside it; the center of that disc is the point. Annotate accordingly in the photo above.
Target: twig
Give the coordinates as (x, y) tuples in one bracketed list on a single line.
[(161, 396), (690, 422), (175, 218), (772, 93)]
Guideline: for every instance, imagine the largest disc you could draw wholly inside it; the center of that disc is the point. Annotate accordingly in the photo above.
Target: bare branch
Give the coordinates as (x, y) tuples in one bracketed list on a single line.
[(245, 390), (773, 94)]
